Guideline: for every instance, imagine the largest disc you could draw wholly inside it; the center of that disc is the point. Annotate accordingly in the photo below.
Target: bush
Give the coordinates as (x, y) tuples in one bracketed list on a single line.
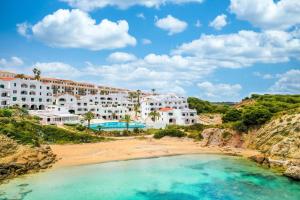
[(240, 127), (5, 113), (232, 115), (80, 127), (169, 132), (256, 116)]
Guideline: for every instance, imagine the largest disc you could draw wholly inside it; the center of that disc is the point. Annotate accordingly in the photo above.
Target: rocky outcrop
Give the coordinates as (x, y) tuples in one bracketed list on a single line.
[(221, 137), (293, 172), (19, 159), (278, 138)]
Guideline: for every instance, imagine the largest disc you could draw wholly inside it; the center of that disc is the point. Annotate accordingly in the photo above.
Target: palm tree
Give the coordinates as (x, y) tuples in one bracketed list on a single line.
[(138, 93), (136, 109), (131, 95), (127, 120), (37, 73), (153, 91), (88, 117), (154, 115)]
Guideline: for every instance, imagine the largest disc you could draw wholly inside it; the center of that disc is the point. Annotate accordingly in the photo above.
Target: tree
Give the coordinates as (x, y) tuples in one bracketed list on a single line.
[(88, 117), (232, 115), (136, 109), (153, 91), (37, 73), (131, 95), (256, 116), (127, 120), (138, 93), (154, 115)]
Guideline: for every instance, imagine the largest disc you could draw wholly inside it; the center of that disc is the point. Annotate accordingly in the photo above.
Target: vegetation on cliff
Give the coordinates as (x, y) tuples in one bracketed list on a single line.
[(16, 124)]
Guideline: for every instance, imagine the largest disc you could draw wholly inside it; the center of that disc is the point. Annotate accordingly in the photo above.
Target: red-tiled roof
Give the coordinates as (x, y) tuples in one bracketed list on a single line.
[(165, 109), (7, 78)]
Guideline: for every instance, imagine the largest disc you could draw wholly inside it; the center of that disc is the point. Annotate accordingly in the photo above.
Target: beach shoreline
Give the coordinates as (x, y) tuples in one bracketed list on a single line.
[(130, 149)]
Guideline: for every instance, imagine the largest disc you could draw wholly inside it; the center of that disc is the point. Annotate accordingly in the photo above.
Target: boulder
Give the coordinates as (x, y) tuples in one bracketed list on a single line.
[(259, 158), (293, 172)]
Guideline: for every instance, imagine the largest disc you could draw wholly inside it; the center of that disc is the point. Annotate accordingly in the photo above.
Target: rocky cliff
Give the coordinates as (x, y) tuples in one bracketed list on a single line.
[(278, 142), (18, 159)]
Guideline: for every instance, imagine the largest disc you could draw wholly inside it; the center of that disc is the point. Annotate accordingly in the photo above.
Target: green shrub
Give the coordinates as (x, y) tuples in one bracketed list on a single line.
[(5, 113), (169, 132), (232, 115), (256, 116), (240, 127), (80, 127)]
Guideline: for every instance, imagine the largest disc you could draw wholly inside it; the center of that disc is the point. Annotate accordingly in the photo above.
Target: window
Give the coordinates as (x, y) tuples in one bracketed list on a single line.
[(1, 86), (15, 84), (32, 99), (15, 91), (23, 99), (14, 98), (40, 99)]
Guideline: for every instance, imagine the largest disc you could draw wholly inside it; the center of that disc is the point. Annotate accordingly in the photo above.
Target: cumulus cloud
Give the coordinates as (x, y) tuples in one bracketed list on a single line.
[(11, 62), (219, 22), (221, 92), (89, 5), (57, 69), (76, 29), (288, 83), (121, 57), (171, 24), (244, 48), (268, 14)]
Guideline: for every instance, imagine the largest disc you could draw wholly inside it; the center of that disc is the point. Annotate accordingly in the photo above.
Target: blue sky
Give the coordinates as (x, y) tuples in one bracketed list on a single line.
[(219, 50)]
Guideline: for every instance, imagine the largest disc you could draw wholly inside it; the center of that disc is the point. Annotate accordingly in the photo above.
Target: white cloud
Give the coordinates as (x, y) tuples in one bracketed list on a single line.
[(56, 69), (268, 14), (265, 76), (141, 15), (244, 48), (76, 29), (121, 57), (89, 5), (23, 29), (146, 41), (219, 92), (219, 22), (12, 62), (171, 24), (288, 83)]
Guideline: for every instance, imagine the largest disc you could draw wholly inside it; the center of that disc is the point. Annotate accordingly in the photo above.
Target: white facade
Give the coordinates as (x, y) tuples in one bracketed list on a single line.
[(107, 107), (29, 94), (172, 109), (55, 115)]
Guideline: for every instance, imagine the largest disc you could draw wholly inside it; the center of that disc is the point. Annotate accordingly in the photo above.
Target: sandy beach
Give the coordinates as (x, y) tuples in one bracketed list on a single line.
[(134, 148)]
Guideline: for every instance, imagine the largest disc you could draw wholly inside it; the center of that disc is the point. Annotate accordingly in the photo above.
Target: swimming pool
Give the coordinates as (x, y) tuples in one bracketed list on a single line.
[(116, 125)]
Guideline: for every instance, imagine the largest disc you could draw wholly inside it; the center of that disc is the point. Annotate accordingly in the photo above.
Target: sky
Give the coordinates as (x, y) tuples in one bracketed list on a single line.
[(217, 50)]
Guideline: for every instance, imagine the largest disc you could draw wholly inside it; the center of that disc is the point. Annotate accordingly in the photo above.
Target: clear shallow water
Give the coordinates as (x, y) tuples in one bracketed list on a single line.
[(191, 177), (116, 125)]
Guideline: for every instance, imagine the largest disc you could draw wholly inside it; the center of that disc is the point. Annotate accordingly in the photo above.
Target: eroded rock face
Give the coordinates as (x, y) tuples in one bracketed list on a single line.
[(293, 172), (279, 138), (21, 159), (221, 137)]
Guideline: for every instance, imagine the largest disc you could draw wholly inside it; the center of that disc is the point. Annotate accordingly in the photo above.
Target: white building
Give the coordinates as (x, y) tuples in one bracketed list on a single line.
[(172, 109), (107, 107), (29, 94), (55, 115)]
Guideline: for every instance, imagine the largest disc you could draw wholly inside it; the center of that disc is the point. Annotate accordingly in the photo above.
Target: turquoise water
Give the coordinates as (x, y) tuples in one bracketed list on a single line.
[(116, 125), (190, 177)]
